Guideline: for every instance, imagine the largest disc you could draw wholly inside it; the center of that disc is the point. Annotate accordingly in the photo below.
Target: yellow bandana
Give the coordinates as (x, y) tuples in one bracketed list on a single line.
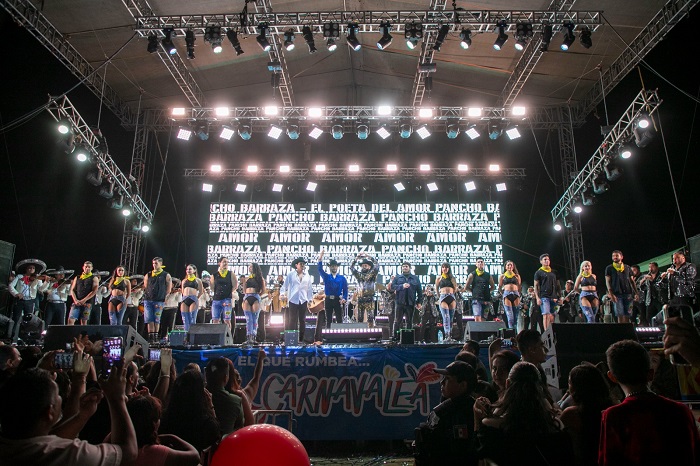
[(509, 274), (118, 280), (194, 277), (546, 269), (83, 276), (479, 273), (619, 268), (155, 274), (444, 276), (224, 273), (585, 275)]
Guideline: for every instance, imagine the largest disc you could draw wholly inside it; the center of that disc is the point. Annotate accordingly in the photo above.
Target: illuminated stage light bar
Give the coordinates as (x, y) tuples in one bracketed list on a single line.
[(384, 110), (184, 134), (518, 111), (275, 132), (315, 132), (240, 187), (277, 188), (513, 133), (315, 112), (424, 167), (470, 185), (216, 168), (207, 187), (473, 133), (423, 132), (432, 186), (494, 167), (354, 168), (178, 111), (501, 187), (285, 168), (474, 111), (320, 168), (221, 111), (399, 186), (383, 132), (425, 112), (226, 133), (311, 186), (351, 335), (270, 110), (462, 167), (392, 167), (252, 169)]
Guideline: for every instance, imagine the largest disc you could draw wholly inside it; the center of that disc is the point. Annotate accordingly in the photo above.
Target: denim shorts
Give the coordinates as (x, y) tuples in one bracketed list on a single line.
[(546, 306), (152, 311), (80, 312), (221, 307), (479, 306), (623, 306)]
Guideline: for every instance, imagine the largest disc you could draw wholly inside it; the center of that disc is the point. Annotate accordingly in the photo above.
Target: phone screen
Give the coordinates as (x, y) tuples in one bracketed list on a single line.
[(154, 354), (63, 360), (111, 353)]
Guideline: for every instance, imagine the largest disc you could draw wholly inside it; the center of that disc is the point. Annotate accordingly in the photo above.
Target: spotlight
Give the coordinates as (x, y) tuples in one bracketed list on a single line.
[(226, 132), (331, 30), (233, 38), (643, 122), (578, 208), (152, 43), (399, 186), (315, 132), (277, 188), (385, 41), (126, 211), (523, 33), (501, 187), (337, 129), (423, 132), (644, 132), (81, 154), (189, 42), (612, 171), (212, 34), (383, 132), (145, 228), (64, 127), (207, 187), (352, 40), (289, 40), (275, 132), (285, 169), (107, 190), (495, 130), (270, 110), (425, 112), (405, 129), (309, 38), (94, 177), (502, 36), (293, 129), (466, 37), (167, 41), (432, 186), (240, 187), (625, 151), (245, 130), (362, 129), (118, 203), (472, 132), (569, 36), (494, 167), (424, 167), (311, 186), (178, 111), (600, 186), (203, 132), (452, 130), (252, 169), (216, 168), (557, 226), (470, 185), (413, 33), (320, 168), (392, 167), (331, 45), (585, 38), (261, 38), (315, 112), (462, 167), (512, 132), (354, 168), (442, 33), (546, 37), (587, 197)]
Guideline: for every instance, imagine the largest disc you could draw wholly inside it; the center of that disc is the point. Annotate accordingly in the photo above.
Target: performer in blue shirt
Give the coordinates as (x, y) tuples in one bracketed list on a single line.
[(335, 286)]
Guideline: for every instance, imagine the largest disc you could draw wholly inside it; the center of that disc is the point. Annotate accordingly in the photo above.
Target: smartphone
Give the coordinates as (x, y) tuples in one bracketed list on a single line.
[(63, 360), (154, 354), (507, 343), (685, 312), (112, 349)]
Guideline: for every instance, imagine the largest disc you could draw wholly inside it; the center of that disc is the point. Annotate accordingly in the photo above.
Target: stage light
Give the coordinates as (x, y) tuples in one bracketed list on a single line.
[(107, 190), (391, 167), (262, 39), (203, 132), (337, 129), (277, 188), (189, 43), (425, 112), (331, 45), (289, 40), (494, 129), (81, 154), (600, 186), (178, 111), (311, 186), (206, 187), (315, 112), (385, 41), (384, 110), (383, 132), (64, 127), (423, 132), (462, 167), (362, 129), (452, 130), (546, 37), (216, 168), (399, 186), (293, 130), (501, 187), (413, 33), (569, 36), (245, 130), (270, 110), (226, 132), (557, 226), (432, 186), (315, 132), (518, 111), (466, 36), (331, 31), (126, 212), (184, 133), (352, 40), (94, 177), (152, 43), (612, 171), (472, 132), (309, 38), (275, 132), (212, 34), (523, 33), (167, 41), (587, 198), (585, 37), (285, 169), (320, 168), (644, 132), (578, 208), (405, 129), (145, 228), (470, 185), (474, 111), (222, 111), (442, 33), (354, 168), (252, 169), (240, 187), (424, 167), (502, 36), (117, 203), (512, 132), (233, 38), (494, 167), (625, 151)]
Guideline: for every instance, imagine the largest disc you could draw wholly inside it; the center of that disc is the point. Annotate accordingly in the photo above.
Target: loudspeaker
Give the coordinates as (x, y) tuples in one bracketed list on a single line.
[(58, 335), (7, 255), (177, 338), (291, 337), (479, 331), (568, 345), (210, 334), (407, 336)]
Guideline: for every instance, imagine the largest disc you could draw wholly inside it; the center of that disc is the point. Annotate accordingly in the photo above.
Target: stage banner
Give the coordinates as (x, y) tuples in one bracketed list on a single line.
[(342, 393)]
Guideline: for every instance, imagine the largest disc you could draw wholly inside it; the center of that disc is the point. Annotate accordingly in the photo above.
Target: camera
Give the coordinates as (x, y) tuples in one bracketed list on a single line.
[(685, 312)]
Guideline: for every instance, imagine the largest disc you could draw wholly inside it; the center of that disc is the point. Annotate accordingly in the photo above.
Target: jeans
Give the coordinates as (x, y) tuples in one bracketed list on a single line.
[(55, 314), (152, 310), (80, 312), (251, 322), (221, 307), (116, 317), (623, 306)]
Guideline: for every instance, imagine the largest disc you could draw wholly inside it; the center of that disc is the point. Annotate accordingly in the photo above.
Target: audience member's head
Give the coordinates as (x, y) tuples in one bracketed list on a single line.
[(531, 346), (629, 363), (145, 411), (216, 372), (145, 369), (501, 364), (458, 378), (186, 399), (587, 386), (193, 366), (29, 404), (524, 406), (9, 358), (472, 346)]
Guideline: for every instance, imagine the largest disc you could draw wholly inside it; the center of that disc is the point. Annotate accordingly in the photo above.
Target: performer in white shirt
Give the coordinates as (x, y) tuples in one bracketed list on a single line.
[(298, 292), (24, 288), (57, 290)]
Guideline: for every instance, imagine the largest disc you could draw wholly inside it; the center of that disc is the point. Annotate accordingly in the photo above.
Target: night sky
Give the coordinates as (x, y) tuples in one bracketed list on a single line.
[(49, 211)]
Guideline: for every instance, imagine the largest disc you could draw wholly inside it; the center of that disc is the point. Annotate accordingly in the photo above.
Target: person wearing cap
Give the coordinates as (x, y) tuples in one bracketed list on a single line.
[(408, 293), (335, 287), (83, 290), (24, 288), (366, 278), (297, 289), (56, 297), (447, 437)]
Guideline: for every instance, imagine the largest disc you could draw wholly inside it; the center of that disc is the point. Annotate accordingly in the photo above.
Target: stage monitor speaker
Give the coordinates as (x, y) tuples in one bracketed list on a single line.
[(479, 331), (407, 336), (7, 256), (568, 345), (210, 334), (291, 337), (57, 336), (353, 335)]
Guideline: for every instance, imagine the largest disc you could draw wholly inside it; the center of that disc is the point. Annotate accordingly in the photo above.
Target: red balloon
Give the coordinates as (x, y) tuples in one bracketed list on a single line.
[(261, 445)]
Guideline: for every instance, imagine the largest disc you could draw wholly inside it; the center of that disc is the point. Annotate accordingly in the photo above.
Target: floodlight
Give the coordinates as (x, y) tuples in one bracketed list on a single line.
[(569, 36), (557, 226), (311, 186), (216, 168), (240, 187), (462, 167), (441, 35), (413, 33), (64, 127), (212, 34), (145, 228), (466, 36), (383, 132), (289, 40), (352, 40), (494, 167), (331, 45), (432, 186), (384, 110), (472, 132), (424, 167), (501, 187), (523, 32), (512, 132), (315, 132), (423, 132), (399, 186), (474, 111), (167, 41), (275, 132), (320, 168), (222, 111), (126, 212), (252, 168), (385, 40), (178, 111), (331, 30), (226, 132), (233, 38), (285, 169), (354, 168), (276, 187), (502, 36), (261, 38), (470, 185), (391, 167), (315, 112)]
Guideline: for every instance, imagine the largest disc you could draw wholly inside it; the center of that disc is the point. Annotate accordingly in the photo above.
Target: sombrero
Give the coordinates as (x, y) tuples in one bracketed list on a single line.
[(39, 266)]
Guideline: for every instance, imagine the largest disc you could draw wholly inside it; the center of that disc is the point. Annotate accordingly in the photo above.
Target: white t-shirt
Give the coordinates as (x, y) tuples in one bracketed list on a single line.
[(51, 450)]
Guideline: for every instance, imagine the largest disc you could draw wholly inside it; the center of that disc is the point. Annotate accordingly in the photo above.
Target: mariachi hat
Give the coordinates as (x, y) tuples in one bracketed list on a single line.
[(39, 266), (298, 260), (366, 261), (176, 281), (460, 370), (102, 273), (205, 275), (59, 270), (333, 262)]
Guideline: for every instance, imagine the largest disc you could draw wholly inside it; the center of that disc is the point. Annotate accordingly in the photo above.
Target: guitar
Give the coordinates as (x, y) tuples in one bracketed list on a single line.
[(317, 304)]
